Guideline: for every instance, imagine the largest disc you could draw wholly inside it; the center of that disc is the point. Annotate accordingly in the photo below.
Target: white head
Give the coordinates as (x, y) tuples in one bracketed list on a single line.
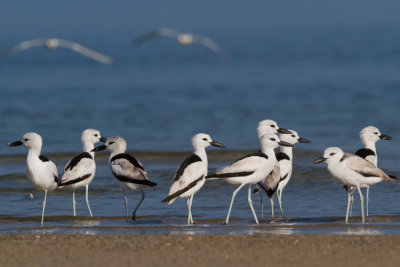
[(185, 38), (30, 140), (271, 141), (115, 144), (202, 140), (371, 134), (52, 43), (92, 136), (331, 154), (269, 126), (293, 138)]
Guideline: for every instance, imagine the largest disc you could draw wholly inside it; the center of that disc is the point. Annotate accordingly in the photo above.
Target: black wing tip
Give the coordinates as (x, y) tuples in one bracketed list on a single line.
[(167, 199), (393, 177)]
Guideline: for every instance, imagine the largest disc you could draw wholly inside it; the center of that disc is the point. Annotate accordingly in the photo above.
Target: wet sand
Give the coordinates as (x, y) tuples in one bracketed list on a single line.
[(199, 250)]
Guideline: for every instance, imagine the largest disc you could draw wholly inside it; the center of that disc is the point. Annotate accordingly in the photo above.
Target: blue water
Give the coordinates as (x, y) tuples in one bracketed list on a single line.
[(326, 84)]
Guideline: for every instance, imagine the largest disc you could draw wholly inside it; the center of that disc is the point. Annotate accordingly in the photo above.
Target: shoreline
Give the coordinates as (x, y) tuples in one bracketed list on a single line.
[(198, 250)]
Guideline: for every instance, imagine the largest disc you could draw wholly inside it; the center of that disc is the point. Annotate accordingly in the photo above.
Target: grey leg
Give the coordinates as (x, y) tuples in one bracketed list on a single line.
[(349, 204), (87, 200), (73, 202), (272, 207), (362, 204), (251, 205), (188, 206), (190, 201), (44, 207), (233, 198), (280, 201), (367, 198), (126, 204), (140, 202)]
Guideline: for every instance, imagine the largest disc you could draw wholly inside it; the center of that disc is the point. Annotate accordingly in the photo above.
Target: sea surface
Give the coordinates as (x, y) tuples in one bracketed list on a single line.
[(325, 84)]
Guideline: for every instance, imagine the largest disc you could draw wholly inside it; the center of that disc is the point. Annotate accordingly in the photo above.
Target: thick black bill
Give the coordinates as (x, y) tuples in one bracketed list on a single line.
[(99, 148), (385, 137), (17, 143), (319, 160), (284, 131), (103, 139), (283, 143), (214, 143), (303, 140)]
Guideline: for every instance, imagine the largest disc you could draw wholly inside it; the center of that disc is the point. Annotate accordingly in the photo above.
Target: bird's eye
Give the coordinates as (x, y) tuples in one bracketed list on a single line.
[(26, 139), (375, 132), (273, 139), (292, 135), (96, 135), (273, 126), (332, 154), (111, 143), (204, 139)]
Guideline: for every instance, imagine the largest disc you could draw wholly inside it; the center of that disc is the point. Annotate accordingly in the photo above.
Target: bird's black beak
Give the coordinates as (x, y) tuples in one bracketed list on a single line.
[(303, 140), (284, 131), (214, 143), (16, 143), (99, 148), (103, 139), (283, 143), (385, 137), (319, 160)]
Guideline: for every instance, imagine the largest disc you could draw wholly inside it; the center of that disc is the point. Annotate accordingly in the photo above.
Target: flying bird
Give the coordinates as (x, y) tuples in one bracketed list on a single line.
[(182, 39), (52, 44)]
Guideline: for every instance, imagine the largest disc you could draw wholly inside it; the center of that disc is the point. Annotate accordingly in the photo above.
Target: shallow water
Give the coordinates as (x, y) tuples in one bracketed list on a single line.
[(313, 203)]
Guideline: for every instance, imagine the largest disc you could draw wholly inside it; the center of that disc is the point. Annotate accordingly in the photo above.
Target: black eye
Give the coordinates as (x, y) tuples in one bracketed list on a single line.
[(273, 139), (111, 143), (26, 139), (332, 154), (96, 135), (205, 139), (273, 126), (375, 132), (292, 135)]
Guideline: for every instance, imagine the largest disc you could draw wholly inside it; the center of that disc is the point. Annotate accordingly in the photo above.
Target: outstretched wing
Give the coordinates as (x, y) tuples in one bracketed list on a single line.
[(23, 46), (161, 32), (210, 44), (85, 51)]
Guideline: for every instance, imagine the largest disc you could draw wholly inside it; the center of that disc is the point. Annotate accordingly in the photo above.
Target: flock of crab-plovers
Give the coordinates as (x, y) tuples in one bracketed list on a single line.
[(268, 169)]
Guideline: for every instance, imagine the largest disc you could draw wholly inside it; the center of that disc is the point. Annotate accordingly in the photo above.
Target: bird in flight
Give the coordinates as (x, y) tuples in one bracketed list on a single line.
[(52, 44), (182, 39)]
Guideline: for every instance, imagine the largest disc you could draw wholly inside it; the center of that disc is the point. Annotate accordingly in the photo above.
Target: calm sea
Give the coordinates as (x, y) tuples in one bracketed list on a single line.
[(325, 84)]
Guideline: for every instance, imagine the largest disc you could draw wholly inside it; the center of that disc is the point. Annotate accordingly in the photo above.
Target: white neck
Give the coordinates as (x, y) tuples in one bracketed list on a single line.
[(88, 147), (369, 145), (288, 151)]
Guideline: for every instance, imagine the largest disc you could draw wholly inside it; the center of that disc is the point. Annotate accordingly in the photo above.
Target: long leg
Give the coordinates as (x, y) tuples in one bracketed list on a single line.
[(126, 204), (280, 201), (44, 206), (140, 202), (262, 203), (73, 202), (87, 200), (233, 198), (272, 207), (251, 205), (349, 204), (190, 209), (188, 206), (362, 204), (367, 198)]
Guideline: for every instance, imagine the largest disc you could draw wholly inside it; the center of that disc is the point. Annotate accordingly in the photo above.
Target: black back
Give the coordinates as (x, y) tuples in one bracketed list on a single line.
[(189, 160), (280, 156), (43, 158), (130, 158), (255, 154), (75, 160), (365, 152)]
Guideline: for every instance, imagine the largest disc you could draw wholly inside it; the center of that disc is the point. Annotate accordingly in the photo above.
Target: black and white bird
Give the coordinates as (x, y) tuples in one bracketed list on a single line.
[(80, 170), (52, 44), (270, 127), (190, 176), (284, 158), (250, 169), (185, 39), (41, 172), (353, 171), (127, 170), (369, 136)]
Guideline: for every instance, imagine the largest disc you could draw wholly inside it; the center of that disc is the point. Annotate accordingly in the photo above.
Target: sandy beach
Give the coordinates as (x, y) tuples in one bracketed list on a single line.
[(199, 250)]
